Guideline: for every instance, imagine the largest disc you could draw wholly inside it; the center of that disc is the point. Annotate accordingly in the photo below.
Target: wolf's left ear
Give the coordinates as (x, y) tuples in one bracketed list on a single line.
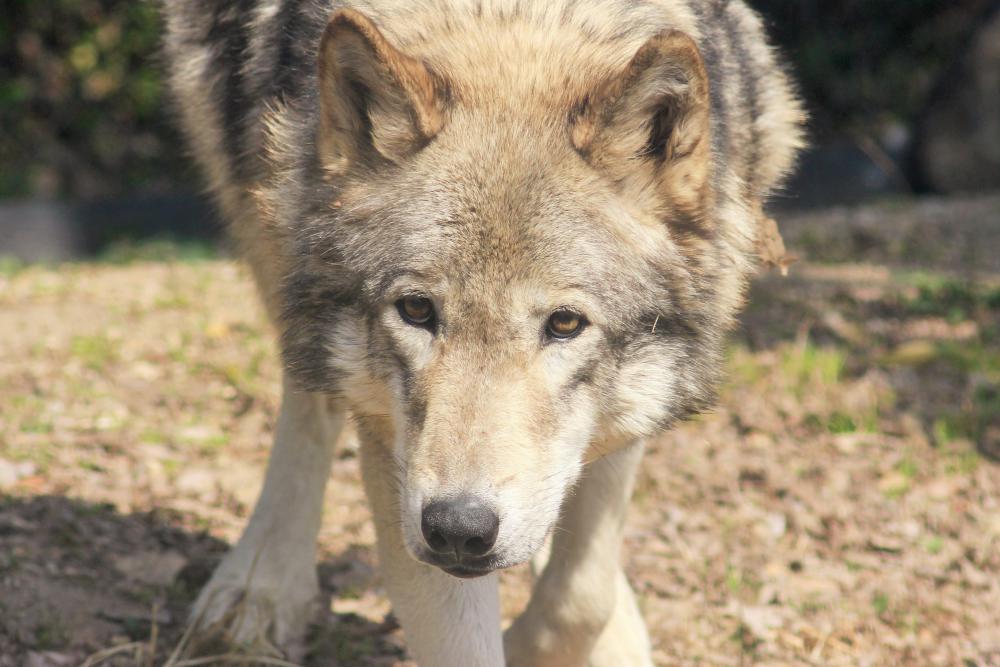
[(374, 99), (653, 117)]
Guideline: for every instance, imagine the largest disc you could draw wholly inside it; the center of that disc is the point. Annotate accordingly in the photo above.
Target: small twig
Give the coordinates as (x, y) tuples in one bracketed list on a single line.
[(655, 322), (97, 658), (881, 158), (233, 617), (817, 651), (154, 632), (183, 641)]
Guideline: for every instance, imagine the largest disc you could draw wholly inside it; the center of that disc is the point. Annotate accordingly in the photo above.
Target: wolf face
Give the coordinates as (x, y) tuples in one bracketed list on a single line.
[(505, 335), (503, 322), (516, 287)]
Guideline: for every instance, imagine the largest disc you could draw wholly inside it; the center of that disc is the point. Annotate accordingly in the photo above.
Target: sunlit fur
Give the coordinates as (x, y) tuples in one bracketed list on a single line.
[(504, 159)]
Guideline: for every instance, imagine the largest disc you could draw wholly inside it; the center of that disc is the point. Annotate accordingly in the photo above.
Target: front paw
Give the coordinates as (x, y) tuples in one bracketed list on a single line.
[(259, 606), (534, 644)]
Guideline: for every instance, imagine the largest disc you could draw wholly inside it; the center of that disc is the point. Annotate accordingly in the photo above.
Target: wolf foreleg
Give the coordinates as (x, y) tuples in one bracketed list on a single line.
[(582, 608), (625, 640), (448, 622), (263, 593)]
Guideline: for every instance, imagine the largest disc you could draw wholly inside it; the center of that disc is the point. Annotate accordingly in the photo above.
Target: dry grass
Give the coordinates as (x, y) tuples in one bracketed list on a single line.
[(835, 509)]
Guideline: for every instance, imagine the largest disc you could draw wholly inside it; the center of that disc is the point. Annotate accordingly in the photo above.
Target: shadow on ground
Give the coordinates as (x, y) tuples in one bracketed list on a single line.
[(77, 577)]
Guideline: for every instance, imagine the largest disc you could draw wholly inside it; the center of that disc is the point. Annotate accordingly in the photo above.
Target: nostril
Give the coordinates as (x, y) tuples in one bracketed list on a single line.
[(430, 524), (436, 540), (477, 546)]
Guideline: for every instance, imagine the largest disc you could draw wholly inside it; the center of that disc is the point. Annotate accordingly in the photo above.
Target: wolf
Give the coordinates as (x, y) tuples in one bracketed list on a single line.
[(506, 239)]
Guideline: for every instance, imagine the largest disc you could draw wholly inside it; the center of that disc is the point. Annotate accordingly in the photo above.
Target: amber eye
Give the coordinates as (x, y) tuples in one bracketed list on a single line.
[(416, 310), (564, 324)]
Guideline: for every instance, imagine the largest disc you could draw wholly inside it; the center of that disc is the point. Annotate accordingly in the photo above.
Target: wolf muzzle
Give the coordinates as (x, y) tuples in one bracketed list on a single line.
[(460, 532)]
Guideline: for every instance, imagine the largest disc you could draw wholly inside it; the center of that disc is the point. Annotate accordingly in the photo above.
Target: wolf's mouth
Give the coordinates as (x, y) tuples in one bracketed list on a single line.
[(463, 572), (464, 568)]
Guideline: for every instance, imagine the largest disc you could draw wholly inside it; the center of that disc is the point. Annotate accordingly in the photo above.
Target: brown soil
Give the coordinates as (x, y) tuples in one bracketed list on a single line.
[(838, 508)]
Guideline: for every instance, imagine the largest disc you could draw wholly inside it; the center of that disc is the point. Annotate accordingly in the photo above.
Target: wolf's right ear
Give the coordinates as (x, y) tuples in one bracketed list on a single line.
[(373, 98), (651, 121)]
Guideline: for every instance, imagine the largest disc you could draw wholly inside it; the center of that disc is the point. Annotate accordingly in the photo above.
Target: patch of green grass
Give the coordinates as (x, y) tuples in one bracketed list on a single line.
[(157, 250), (897, 491), (981, 412), (95, 352), (962, 460), (213, 444), (50, 284), (22, 401), (987, 398), (943, 296), (813, 422), (911, 624), (10, 266), (153, 436), (838, 423), (741, 583), (175, 300), (945, 430), (744, 637), (350, 650), (934, 544), (813, 604), (841, 423), (94, 509), (201, 523), (898, 484), (245, 377), (908, 467), (179, 352), (51, 632), (743, 367), (41, 453), (170, 467), (971, 357), (734, 580), (37, 425), (92, 466), (880, 603), (824, 246), (869, 422), (809, 364), (205, 441)]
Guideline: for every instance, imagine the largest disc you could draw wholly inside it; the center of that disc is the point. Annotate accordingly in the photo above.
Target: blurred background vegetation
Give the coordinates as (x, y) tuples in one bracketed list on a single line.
[(84, 111), (864, 65), (82, 104)]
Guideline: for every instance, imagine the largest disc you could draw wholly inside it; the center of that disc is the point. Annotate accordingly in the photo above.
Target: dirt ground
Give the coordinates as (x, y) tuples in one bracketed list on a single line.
[(840, 507)]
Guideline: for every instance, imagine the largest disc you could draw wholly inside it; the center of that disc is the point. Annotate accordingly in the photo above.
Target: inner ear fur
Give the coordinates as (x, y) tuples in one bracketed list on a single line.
[(652, 121), (374, 99)]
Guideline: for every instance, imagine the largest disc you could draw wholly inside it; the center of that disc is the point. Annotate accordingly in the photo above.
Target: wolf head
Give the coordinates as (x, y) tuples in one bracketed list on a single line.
[(520, 266)]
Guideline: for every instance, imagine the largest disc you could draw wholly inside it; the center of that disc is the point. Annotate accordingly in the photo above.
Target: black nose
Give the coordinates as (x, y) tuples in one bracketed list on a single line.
[(462, 525)]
